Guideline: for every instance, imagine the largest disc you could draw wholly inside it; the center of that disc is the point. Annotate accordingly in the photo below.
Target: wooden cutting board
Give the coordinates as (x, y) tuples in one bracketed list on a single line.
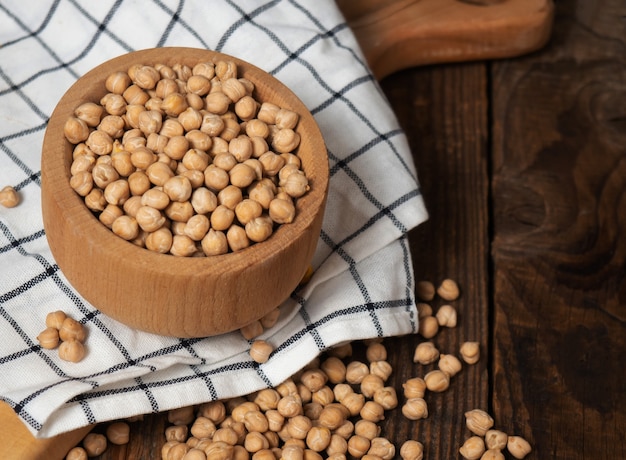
[(394, 35)]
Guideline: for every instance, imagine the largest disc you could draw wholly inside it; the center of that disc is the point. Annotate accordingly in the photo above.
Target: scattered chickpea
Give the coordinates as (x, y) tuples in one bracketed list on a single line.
[(49, 338), (470, 352), (94, 444), (9, 197), (71, 350), (415, 409), (76, 453), (414, 388), (381, 448), (437, 381), (473, 448), (446, 316), (492, 454), (478, 421), (118, 433), (428, 327), (448, 290), (518, 447), (425, 353), (260, 351), (412, 450), (449, 364), (425, 290), (496, 439)]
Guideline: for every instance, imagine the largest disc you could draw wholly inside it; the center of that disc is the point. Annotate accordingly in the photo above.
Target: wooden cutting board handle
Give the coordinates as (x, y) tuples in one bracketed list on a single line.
[(399, 34)]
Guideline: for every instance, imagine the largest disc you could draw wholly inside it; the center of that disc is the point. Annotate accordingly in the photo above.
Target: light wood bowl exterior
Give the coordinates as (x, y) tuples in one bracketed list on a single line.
[(166, 294)]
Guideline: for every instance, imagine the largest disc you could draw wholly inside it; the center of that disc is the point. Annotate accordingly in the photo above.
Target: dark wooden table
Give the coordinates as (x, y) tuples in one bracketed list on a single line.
[(523, 168)]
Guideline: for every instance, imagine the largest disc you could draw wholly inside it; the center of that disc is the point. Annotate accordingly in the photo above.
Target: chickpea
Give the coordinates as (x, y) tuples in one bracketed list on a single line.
[(160, 240), (214, 243), (118, 433), (478, 421), (260, 352), (237, 238), (412, 450), (9, 197), (49, 338)]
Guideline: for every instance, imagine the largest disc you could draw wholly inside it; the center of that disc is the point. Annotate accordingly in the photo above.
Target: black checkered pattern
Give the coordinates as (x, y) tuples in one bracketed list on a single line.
[(363, 284)]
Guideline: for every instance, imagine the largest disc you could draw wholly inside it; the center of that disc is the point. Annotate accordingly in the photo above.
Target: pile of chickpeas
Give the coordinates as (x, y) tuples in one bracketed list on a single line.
[(184, 160), (332, 409)]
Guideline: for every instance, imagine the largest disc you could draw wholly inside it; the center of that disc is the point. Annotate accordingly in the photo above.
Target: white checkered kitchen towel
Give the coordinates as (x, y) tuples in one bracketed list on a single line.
[(363, 284)]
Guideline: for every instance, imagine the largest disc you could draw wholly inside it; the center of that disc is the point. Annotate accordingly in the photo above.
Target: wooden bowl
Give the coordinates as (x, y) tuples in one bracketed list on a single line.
[(166, 294)]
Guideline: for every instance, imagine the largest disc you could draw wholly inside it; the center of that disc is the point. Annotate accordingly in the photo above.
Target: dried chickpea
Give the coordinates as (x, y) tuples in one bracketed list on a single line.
[(473, 448), (470, 352), (356, 371), (282, 211), (372, 411), (412, 450), (81, 183), (425, 290), (370, 384), (295, 185), (354, 402), (76, 130), (126, 227), (381, 369), (492, 454), (448, 290), (178, 211), (446, 316), (334, 369), (176, 433), (255, 441), (478, 421), (376, 351), (496, 439), (518, 447), (55, 319), (214, 243), (318, 438), (425, 353), (76, 453), (149, 218), (358, 446), (203, 427), (118, 433), (109, 214), (259, 228), (183, 246), (437, 381), (197, 227), (90, 113), (290, 406), (386, 397), (367, 429), (49, 338), (181, 416), (195, 454), (428, 327), (415, 408), (260, 352), (449, 364), (94, 444), (382, 448), (72, 329), (237, 238)]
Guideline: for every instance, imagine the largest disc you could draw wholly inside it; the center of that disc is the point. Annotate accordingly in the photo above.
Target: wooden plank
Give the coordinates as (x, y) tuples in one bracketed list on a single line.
[(559, 250), (399, 34), (443, 110)]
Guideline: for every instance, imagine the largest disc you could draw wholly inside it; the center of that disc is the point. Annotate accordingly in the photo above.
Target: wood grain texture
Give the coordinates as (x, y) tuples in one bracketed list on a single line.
[(559, 193)]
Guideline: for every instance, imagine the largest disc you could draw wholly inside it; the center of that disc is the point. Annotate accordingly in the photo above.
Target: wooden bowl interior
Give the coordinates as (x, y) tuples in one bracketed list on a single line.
[(165, 294)]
